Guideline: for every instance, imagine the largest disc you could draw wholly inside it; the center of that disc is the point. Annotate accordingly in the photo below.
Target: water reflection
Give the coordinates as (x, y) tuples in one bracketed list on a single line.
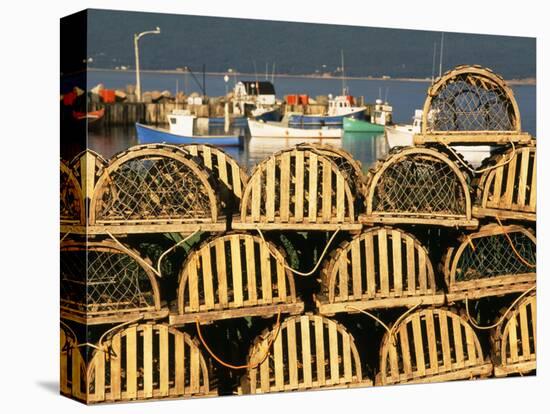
[(365, 147)]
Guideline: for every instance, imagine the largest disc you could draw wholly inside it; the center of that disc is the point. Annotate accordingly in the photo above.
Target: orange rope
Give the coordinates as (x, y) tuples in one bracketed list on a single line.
[(248, 366), (519, 256)]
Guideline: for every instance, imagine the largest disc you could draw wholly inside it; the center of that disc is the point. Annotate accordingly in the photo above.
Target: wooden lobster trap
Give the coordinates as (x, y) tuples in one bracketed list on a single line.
[(308, 187), (417, 185), (496, 260), (150, 189), (304, 352), (431, 345), (470, 104), (509, 190), (380, 268), (147, 360), (515, 339), (71, 208), (103, 282), (72, 366), (233, 276)]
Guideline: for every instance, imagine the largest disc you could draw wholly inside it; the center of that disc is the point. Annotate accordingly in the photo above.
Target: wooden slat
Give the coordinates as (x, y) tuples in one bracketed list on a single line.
[(411, 266), (457, 335), (266, 273), (251, 270), (356, 270), (510, 183), (327, 191), (383, 262), (432, 346), (497, 189), (236, 178), (222, 168), (394, 365), (312, 196), (397, 263), (236, 271), (257, 197), (270, 190), (470, 346), (265, 380), (147, 360), (346, 345), (195, 374), (299, 189), (369, 252), (281, 281), (513, 339), (445, 342), (75, 369), (179, 353), (333, 352), (533, 194), (163, 361), (418, 346), (63, 367), (340, 198), (405, 350), (292, 353), (284, 196), (221, 267), (207, 156), (207, 278), (193, 284), (524, 171), (131, 362), (115, 368), (320, 350), (306, 351), (524, 329), (533, 307), (422, 271), (343, 278), (279, 364), (99, 393)]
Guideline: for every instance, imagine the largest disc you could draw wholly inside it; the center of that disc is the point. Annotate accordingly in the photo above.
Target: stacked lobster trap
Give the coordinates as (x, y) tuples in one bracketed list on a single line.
[(307, 273)]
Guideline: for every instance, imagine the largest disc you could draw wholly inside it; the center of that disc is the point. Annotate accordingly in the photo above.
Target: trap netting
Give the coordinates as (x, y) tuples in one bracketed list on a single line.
[(103, 280), (471, 102), (494, 255), (70, 195), (152, 187), (419, 183)]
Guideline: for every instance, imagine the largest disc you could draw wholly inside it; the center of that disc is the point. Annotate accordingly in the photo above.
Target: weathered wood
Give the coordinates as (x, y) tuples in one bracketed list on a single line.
[(305, 367), (514, 340), (515, 197), (260, 286), (72, 374), (354, 279), (431, 346), (453, 112), (305, 187), (156, 342), (92, 276), (492, 261), (418, 185)]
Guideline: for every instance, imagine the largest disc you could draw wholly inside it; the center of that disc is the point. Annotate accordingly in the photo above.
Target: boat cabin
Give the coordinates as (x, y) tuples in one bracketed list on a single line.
[(382, 114), (341, 105), (181, 122)]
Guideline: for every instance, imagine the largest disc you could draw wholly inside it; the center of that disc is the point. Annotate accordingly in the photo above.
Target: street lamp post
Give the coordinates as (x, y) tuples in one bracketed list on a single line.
[(136, 49)]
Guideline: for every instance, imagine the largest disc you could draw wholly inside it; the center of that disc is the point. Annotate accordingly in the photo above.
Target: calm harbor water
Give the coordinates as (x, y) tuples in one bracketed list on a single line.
[(404, 96)]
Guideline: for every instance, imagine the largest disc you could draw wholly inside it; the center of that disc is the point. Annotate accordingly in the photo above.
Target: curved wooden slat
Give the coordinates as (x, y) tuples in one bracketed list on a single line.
[(382, 267), (470, 104), (72, 374), (147, 360), (417, 185), (510, 190), (299, 188), (308, 352), (515, 339), (431, 345), (102, 283), (492, 261), (154, 188), (234, 276), (71, 209)]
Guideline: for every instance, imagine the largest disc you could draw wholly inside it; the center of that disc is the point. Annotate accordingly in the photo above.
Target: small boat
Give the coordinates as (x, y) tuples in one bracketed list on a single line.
[(258, 113), (91, 117), (359, 125), (260, 129), (402, 136), (182, 132), (338, 109)]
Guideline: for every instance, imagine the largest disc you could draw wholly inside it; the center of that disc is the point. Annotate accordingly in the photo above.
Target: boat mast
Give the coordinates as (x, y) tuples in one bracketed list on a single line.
[(441, 54), (433, 61), (343, 74)]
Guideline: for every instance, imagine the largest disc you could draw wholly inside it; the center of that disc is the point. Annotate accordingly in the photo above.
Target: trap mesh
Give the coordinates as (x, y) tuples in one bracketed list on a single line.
[(97, 281), (494, 256), (68, 198), (471, 102), (153, 188), (419, 184)]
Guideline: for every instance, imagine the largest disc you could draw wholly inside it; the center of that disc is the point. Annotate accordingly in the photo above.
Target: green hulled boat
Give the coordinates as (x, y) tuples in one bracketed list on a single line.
[(359, 125)]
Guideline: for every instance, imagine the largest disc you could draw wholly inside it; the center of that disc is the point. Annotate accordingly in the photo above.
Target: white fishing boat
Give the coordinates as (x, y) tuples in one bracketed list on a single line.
[(261, 129), (402, 136)]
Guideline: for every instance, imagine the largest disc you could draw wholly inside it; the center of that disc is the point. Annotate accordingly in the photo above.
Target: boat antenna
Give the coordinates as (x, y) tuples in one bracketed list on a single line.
[(266, 72), (177, 91), (441, 54), (204, 80), (343, 74), (433, 61), (379, 92), (386, 96), (273, 74)]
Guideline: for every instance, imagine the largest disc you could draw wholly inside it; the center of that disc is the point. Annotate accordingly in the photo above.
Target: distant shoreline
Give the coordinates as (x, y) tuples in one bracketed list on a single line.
[(525, 81)]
